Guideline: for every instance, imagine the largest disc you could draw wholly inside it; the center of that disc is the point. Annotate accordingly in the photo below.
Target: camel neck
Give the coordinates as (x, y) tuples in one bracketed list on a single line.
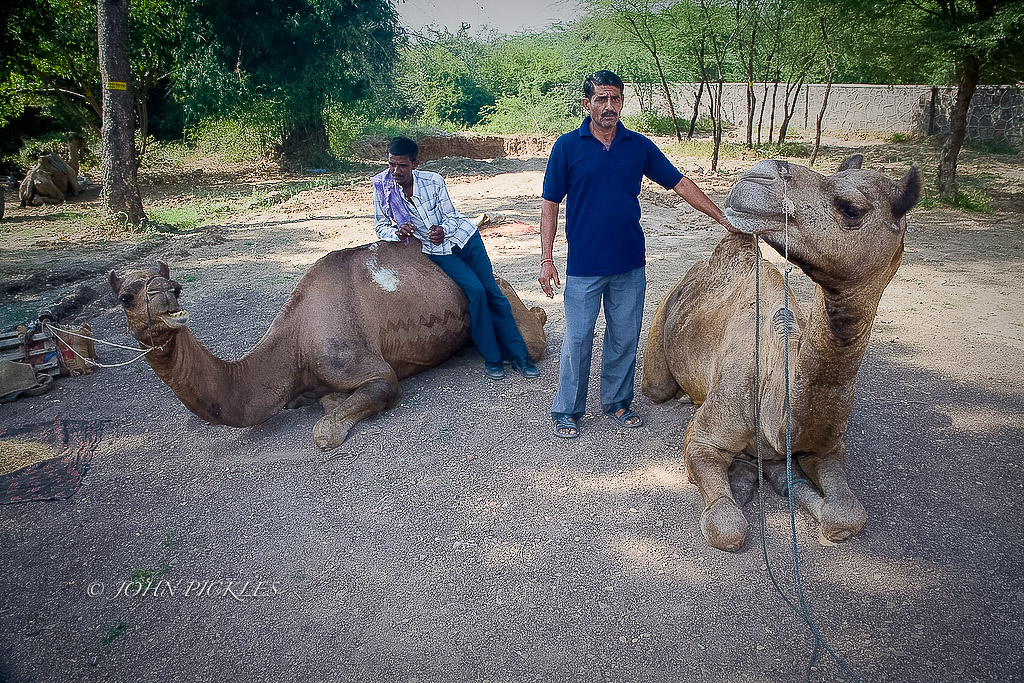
[(831, 349), (237, 393)]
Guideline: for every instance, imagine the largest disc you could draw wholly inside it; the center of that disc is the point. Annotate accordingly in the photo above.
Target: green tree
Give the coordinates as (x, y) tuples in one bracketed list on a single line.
[(961, 42), (298, 56), (439, 77), (50, 50), (523, 64), (643, 25)]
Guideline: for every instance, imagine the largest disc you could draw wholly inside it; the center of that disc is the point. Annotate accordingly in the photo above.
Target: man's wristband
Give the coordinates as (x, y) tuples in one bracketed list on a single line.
[(547, 260)]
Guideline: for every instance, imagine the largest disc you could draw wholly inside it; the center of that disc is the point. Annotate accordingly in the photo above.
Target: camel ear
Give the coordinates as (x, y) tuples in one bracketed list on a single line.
[(115, 282), (165, 272), (854, 161), (908, 191)]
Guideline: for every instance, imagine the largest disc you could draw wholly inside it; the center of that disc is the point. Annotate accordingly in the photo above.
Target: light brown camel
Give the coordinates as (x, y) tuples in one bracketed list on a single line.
[(360, 320), (846, 233), (50, 181)]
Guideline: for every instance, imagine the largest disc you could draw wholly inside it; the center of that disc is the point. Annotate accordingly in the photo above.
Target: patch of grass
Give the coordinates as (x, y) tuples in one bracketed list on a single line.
[(990, 146), (113, 633), (738, 150), (896, 138), (697, 148), (530, 113), (190, 216), (655, 124), (786, 149), (148, 574), (973, 200)]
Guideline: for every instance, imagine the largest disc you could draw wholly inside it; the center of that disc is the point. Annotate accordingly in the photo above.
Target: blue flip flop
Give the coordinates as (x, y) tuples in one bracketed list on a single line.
[(565, 421), (624, 419)]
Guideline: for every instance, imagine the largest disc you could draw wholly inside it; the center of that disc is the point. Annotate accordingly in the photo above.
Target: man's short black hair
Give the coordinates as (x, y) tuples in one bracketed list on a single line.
[(602, 77), (403, 147)]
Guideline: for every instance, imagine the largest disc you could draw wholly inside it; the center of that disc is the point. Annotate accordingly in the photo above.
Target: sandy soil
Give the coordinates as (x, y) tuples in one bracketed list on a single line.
[(455, 538)]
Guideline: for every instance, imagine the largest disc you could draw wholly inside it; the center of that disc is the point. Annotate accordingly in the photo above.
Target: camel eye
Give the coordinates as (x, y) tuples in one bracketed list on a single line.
[(126, 299), (850, 214), (850, 211)]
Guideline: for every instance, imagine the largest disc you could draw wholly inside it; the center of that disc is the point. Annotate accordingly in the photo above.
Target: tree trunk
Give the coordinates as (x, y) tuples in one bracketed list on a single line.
[(668, 97), (775, 98), (751, 106), (751, 97), (696, 111), (760, 116), (306, 143), (788, 111), (700, 92), (75, 151), (957, 128), (120, 171), (716, 104), (142, 112), (821, 116)]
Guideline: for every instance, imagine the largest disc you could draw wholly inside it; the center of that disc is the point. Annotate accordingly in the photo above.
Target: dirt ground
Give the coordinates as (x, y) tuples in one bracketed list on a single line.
[(455, 537)]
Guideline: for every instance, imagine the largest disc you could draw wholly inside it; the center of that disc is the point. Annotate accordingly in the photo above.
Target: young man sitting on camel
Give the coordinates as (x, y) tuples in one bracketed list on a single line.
[(412, 203)]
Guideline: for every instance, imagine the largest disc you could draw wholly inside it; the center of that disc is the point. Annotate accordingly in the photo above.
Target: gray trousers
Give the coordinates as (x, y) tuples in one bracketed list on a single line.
[(623, 298)]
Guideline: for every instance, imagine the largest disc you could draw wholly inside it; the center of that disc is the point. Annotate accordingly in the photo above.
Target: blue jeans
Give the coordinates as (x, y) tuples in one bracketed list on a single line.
[(623, 298), (491, 324)]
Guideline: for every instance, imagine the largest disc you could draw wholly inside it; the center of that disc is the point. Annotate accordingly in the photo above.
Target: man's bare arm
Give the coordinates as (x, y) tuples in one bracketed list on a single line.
[(696, 198), (548, 228)]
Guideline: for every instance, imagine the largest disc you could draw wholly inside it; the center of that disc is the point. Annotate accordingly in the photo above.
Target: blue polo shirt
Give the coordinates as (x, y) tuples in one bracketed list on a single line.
[(602, 215)]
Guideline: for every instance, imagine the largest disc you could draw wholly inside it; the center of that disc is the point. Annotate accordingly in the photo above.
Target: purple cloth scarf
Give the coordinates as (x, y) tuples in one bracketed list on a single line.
[(392, 198)]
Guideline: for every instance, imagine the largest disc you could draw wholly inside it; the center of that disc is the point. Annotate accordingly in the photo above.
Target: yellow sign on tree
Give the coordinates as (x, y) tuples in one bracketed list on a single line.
[(117, 85)]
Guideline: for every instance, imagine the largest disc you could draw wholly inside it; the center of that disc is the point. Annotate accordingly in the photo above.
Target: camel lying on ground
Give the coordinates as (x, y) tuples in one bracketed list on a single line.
[(846, 233), (50, 181), (359, 321)]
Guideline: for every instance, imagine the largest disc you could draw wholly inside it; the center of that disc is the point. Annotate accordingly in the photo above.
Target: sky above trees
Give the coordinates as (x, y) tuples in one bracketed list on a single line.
[(503, 16)]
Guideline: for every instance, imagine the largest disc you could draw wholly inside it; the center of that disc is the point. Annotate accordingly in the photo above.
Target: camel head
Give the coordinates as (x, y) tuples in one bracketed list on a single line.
[(844, 230), (150, 300)]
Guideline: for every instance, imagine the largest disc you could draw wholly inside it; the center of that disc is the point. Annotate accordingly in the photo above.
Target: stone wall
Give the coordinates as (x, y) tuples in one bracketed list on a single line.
[(996, 113)]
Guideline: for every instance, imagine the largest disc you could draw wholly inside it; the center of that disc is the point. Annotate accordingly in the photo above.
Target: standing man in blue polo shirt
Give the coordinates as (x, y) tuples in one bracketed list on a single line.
[(599, 168)]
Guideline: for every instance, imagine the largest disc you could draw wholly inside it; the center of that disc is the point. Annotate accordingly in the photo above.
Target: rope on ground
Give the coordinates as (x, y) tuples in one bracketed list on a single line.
[(803, 610), (57, 331)]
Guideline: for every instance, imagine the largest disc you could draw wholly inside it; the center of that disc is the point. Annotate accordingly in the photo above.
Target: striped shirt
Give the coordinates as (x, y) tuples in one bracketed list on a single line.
[(430, 205)]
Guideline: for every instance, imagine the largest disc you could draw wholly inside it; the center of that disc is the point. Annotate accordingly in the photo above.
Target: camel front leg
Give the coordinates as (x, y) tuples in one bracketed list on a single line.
[(342, 410), (804, 493), (841, 514), (722, 523)]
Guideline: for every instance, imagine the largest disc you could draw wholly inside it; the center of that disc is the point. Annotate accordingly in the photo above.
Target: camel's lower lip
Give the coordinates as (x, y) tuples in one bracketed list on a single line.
[(175, 319)]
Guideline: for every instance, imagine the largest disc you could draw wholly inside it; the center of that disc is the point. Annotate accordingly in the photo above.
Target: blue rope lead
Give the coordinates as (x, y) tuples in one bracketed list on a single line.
[(803, 611)]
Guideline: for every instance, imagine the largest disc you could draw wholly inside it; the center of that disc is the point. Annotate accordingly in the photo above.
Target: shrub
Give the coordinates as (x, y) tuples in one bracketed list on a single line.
[(786, 149), (990, 146), (244, 137), (973, 200), (532, 113), (655, 124)]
